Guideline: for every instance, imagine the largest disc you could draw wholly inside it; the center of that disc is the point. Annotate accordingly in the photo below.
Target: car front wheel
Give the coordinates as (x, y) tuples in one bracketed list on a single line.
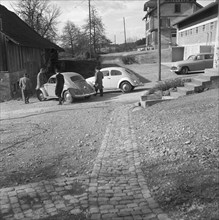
[(68, 97), (40, 96), (126, 87), (185, 70)]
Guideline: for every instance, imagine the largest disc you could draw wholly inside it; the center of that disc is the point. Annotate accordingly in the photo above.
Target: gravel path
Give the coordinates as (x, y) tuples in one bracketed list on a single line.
[(115, 190), (178, 142)]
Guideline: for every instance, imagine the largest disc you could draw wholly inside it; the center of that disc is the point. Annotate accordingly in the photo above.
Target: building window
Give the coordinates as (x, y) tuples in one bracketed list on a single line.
[(181, 34), (203, 28), (191, 32), (197, 30), (212, 26), (177, 8), (165, 22)]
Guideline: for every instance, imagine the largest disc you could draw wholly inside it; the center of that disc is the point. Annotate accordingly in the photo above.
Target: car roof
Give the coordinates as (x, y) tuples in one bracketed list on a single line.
[(201, 54), (113, 67), (68, 74)]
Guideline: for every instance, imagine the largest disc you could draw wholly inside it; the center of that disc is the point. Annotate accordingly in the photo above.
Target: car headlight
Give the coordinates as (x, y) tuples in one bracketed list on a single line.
[(174, 68)]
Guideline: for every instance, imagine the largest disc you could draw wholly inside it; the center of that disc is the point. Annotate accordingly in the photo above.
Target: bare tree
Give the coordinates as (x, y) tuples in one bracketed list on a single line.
[(97, 30), (40, 15), (70, 36)]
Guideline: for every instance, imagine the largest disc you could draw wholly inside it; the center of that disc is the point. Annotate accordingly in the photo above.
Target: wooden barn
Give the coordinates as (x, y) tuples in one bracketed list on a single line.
[(22, 50)]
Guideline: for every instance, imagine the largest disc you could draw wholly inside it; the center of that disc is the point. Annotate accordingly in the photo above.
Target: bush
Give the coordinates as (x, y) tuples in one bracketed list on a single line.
[(168, 84), (128, 59)]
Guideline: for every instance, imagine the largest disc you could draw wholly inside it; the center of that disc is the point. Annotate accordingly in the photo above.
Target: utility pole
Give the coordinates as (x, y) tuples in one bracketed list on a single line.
[(159, 40), (115, 39), (89, 28), (124, 31)]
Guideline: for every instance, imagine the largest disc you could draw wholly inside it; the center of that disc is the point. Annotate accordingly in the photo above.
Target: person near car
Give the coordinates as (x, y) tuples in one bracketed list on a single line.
[(98, 81), (41, 78), (59, 85), (26, 86)]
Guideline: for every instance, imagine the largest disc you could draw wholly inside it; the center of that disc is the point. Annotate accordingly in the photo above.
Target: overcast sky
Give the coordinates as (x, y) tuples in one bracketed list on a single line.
[(112, 13)]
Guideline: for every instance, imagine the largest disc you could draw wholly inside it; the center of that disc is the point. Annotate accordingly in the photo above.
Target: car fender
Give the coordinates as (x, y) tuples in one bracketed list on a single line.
[(125, 79), (71, 91), (43, 90)]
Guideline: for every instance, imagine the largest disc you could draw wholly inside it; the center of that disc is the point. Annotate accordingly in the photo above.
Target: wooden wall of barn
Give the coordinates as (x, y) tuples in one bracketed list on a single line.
[(3, 56), (21, 60)]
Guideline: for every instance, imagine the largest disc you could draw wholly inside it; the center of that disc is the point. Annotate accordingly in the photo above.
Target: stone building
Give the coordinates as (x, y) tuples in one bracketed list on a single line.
[(199, 32), (171, 11)]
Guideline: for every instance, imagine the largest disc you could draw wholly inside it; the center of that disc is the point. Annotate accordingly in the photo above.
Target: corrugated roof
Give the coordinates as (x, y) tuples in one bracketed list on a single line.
[(20, 32), (211, 5)]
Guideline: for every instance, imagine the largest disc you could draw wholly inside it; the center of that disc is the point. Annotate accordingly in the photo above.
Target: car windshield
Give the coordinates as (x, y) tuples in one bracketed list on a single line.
[(76, 78), (192, 57)]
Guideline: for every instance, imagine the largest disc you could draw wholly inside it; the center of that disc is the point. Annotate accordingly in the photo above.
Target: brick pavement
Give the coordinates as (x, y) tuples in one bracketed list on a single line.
[(115, 190)]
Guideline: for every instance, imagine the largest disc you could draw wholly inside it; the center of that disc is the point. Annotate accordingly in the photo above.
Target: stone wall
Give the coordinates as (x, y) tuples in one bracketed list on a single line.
[(5, 92)]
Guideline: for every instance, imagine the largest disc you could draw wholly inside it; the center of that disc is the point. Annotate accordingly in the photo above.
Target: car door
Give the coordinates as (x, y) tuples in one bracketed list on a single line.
[(106, 79), (116, 75), (197, 64), (50, 87), (208, 60)]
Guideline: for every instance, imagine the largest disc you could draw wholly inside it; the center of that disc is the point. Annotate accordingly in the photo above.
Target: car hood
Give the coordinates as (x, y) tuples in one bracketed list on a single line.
[(82, 87), (182, 62)]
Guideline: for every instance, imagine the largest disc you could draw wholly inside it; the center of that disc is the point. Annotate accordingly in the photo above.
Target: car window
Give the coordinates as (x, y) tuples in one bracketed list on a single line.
[(76, 78), (52, 80), (199, 57), (208, 56), (116, 73), (105, 72), (192, 57)]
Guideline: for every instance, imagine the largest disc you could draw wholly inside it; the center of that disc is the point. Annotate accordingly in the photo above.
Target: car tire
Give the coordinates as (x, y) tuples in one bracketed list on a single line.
[(184, 70), (126, 87), (68, 97), (40, 96)]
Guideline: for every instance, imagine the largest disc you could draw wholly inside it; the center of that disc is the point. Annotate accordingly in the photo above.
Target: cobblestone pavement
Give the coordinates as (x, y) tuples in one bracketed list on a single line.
[(116, 189)]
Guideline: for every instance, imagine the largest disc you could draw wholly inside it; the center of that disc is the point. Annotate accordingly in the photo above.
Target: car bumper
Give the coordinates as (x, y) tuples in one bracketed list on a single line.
[(84, 95)]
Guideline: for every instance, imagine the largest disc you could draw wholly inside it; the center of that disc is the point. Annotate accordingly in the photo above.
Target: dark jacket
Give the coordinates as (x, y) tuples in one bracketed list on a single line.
[(99, 79), (59, 84)]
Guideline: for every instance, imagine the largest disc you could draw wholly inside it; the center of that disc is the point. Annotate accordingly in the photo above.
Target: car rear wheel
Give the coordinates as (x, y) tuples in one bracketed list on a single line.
[(126, 87), (68, 97), (185, 70), (40, 96)]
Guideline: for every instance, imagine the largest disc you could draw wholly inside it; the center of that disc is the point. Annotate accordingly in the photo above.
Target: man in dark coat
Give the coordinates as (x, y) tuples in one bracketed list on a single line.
[(99, 81), (59, 85), (26, 86)]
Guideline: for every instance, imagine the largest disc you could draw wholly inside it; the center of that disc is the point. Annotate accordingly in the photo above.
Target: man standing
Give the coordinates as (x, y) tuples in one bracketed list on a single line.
[(99, 81), (25, 85), (59, 85), (41, 78)]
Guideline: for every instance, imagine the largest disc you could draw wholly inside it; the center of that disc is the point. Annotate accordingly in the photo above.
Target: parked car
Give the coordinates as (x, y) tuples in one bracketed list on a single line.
[(195, 62), (75, 87), (118, 78)]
